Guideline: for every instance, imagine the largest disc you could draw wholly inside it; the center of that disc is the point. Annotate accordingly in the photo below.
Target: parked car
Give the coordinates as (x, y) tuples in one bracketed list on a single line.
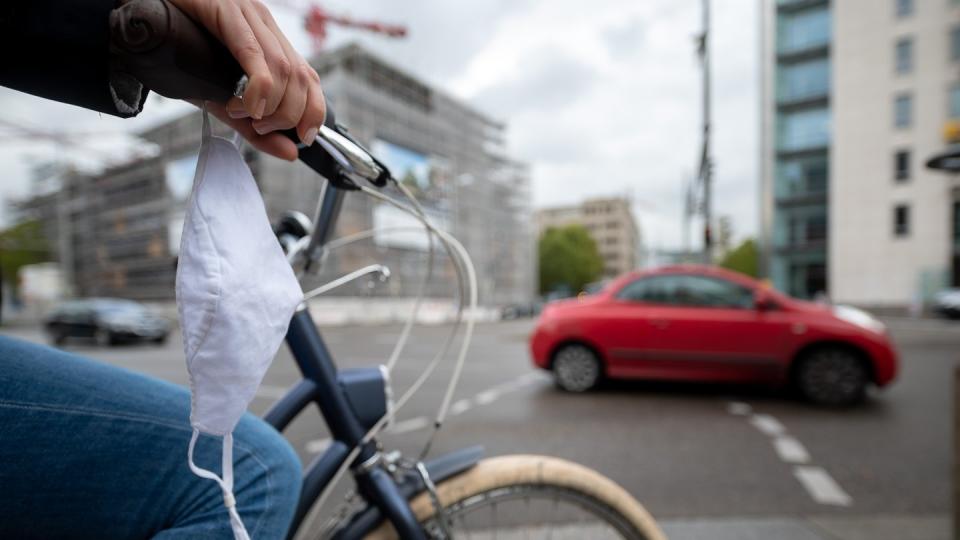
[(107, 321), (947, 303), (702, 323), (519, 310)]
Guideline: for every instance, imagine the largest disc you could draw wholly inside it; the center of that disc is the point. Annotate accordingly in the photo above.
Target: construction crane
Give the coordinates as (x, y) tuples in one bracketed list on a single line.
[(317, 19)]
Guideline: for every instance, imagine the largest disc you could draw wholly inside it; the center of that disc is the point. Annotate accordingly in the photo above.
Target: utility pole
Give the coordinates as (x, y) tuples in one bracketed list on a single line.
[(706, 162)]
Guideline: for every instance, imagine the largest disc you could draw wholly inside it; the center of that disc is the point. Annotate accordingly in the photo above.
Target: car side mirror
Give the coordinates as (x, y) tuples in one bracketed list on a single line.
[(763, 302)]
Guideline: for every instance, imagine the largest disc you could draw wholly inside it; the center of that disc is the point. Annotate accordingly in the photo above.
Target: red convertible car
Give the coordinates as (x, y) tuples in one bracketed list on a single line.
[(702, 323)]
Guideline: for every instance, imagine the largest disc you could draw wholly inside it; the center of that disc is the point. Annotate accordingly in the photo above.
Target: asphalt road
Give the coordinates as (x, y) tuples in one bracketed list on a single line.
[(686, 451)]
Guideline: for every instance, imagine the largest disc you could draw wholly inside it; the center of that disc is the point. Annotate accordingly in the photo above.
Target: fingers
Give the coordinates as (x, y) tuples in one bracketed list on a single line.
[(314, 114), (282, 91), (280, 58), (226, 20), (303, 105), (274, 144)]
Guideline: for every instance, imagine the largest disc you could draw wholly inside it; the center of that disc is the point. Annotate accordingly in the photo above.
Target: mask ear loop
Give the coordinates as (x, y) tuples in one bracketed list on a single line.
[(206, 122), (226, 484)]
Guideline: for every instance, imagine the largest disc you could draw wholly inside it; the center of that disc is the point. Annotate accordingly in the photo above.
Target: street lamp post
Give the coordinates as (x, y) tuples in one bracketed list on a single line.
[(706, 162)]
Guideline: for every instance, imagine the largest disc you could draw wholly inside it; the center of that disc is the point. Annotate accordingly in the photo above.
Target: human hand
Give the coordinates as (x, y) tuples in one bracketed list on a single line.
[(282, 91)]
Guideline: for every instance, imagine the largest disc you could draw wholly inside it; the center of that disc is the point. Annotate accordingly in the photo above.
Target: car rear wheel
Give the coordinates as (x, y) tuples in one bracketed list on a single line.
[(832, 376), (576, 368), (103, 337)]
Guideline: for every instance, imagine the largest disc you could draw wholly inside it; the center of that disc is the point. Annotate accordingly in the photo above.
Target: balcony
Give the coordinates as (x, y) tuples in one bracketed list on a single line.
[(792, 5)]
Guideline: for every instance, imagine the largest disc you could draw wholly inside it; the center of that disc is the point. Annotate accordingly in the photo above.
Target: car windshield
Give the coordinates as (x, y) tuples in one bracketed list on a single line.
[(118, 308)]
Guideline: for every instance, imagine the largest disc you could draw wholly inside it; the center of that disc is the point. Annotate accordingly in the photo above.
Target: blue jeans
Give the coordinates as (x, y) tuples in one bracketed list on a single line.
[(93, 451)]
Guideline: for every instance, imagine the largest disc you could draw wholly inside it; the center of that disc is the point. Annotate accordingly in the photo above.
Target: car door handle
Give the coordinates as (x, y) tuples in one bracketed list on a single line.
[(660, 324)]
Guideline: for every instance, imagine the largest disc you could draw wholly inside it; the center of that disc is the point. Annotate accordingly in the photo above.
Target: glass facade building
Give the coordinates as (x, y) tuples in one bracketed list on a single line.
[(801, 124)]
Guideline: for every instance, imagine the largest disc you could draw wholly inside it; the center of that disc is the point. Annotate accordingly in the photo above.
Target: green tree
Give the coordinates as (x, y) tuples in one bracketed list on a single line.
[(568, 258), (20, 245), (743, 259)]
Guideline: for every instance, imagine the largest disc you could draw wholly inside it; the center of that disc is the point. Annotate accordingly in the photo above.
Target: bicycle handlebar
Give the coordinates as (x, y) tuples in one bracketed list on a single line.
[(160, 46)]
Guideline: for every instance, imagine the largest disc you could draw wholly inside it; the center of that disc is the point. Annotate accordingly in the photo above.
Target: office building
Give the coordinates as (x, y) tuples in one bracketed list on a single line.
[(856, 94), (610, 223)]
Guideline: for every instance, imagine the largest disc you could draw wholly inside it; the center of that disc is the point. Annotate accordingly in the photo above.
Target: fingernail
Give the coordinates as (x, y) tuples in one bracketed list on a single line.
[(263, 128), (261, 106), (237, 113), (310, 136)]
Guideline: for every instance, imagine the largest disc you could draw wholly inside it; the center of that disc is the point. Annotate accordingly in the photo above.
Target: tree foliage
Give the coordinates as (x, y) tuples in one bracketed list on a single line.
[(743, 259), (20, 245), (568, 259)]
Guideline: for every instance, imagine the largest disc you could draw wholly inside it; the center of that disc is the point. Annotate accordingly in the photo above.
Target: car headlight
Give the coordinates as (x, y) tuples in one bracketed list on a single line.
[(860, 318)]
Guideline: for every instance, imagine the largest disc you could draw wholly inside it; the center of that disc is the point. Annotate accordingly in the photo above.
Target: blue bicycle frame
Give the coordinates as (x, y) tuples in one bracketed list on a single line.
[(386, 493)]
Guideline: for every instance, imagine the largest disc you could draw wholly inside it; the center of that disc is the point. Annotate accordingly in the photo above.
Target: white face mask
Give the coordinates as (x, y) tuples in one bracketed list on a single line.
[(235, 296)]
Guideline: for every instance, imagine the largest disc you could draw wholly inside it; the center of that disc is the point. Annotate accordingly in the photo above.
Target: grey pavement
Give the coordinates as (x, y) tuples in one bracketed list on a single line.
[(709, 461)]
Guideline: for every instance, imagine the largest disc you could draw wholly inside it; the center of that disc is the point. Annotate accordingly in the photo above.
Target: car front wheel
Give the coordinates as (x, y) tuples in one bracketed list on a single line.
[(832, 376), (576, 368)]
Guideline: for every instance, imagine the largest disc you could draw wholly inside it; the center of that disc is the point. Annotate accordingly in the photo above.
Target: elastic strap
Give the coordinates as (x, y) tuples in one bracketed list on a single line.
[(226, 483), (206, 122)]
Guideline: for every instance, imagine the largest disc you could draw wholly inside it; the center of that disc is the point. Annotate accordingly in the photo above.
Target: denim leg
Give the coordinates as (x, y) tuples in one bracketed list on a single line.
[(94, 451)]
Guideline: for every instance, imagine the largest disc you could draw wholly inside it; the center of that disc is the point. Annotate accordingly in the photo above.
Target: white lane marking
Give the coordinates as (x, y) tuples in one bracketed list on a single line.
[(486, 398), (739, 408), (769, 425), (412, 424), (317, 446), (790, 450), (821, 486), (460, 407)]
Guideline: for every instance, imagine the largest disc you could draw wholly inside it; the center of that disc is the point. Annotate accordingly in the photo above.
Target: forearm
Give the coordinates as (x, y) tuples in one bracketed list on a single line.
[(59, 49)]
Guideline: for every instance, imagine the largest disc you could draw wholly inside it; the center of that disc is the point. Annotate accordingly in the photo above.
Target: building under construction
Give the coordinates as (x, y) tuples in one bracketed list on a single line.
[(117, 233)]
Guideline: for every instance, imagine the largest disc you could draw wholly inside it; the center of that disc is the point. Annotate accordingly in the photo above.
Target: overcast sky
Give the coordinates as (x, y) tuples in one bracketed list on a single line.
[(601, 97)]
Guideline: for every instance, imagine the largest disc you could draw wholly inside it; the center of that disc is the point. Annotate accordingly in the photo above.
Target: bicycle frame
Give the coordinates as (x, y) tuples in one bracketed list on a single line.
[(386, 492)]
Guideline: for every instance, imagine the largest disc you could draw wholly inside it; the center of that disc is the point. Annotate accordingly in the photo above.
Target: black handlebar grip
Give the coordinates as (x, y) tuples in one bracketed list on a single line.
[(160, 46)]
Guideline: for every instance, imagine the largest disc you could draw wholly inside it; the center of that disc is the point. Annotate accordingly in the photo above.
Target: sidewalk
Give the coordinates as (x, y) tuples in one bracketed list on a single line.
[(832, 527)]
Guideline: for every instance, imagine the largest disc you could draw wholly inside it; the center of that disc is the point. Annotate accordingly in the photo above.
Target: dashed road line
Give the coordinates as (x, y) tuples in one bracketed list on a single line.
[(486, 398), (422, 422), (790, 450), (822, 487), (767, 424), (412, 424), (460, 407), (818, 483), (317, 446), (739, 408)]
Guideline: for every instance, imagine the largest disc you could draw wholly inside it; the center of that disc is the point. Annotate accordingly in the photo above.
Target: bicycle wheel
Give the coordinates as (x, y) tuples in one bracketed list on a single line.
[(529, 497)]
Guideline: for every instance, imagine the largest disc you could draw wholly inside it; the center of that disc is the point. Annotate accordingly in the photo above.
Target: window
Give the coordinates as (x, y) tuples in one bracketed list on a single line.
[(903, 56), (802, 130), (901, 165), (688, 290), (903, 8), (901, 220), (955, 101), (955, 43), (903, 111), (800, 227), (800, 177), (803, 30), (804, 80)]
